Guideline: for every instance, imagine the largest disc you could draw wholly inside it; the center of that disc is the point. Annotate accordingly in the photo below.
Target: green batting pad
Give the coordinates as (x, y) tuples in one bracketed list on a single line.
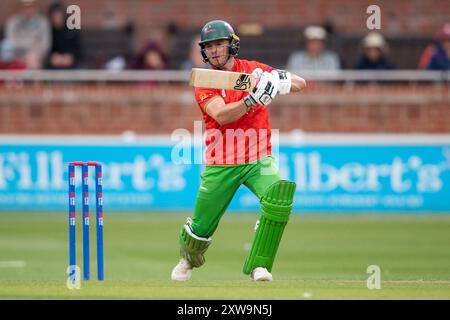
[(276, 206), (193, 247)]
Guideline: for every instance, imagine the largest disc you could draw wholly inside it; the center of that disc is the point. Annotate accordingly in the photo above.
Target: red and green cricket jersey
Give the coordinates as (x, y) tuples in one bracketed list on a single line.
[(245, 140)]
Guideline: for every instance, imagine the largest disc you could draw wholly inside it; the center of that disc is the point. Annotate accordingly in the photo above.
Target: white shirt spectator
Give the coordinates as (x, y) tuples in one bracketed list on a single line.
[(327, 60), (315, 57), (30, 36)]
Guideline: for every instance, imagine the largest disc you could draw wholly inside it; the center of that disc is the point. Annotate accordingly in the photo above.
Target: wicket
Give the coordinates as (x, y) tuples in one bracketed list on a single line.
[(99, 218)]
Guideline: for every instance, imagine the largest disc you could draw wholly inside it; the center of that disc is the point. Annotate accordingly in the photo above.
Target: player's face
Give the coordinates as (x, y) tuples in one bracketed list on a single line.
[(217, 52)]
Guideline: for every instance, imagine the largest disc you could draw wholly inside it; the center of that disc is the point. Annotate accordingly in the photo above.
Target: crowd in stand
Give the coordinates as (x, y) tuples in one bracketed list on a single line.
[(36, 41), (374, 53)]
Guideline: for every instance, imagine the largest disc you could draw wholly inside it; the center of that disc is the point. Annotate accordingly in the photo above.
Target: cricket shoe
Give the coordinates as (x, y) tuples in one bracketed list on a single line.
[(182, 271), (261, 274)]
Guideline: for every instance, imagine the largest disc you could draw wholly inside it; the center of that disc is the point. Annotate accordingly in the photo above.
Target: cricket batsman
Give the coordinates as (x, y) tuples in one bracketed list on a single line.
[(238, 151)]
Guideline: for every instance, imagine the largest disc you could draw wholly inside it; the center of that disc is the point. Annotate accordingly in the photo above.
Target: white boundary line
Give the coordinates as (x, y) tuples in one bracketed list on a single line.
[(12, 264)]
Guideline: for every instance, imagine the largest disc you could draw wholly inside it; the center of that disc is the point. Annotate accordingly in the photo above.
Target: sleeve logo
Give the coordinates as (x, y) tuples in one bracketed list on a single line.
[(202, 96)]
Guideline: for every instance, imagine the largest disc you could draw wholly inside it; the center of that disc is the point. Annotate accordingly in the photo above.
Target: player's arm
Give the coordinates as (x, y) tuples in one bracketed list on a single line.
[(262, 94), (223, 112), (297, 83)]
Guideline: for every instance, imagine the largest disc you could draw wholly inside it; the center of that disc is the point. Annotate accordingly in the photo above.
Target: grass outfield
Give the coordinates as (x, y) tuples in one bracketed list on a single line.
[(320, 257)]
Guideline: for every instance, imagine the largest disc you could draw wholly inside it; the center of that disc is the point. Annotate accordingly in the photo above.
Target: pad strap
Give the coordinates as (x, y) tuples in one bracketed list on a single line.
[(192, 246)]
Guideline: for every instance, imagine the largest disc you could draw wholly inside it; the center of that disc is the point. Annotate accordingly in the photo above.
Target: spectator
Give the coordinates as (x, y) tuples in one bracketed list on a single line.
[(29, 33), (195, 59), (374, 53), (65, 50), (151, 57), (8, 60), (437, 57), (316, 57)]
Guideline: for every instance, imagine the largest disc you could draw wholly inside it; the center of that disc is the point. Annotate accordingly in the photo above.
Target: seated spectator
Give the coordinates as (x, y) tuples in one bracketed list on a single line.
[(437, 56), (195, 59), (65, 52), (316, 57), (8, 60), (374, 55), (29, 33), (151, 57)]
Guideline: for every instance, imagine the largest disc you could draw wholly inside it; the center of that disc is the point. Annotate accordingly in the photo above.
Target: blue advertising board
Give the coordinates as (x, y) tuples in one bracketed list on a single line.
[(142, 176)]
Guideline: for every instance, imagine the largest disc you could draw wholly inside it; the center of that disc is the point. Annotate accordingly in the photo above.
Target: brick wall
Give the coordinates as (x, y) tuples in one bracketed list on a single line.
[(421, 17), (153, 109)]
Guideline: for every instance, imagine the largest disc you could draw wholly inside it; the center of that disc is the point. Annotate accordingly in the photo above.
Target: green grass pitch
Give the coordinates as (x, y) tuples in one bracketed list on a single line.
[(320, 257)]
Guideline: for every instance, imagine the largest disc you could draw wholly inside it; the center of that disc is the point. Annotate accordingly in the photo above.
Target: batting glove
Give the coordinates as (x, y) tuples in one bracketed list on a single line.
[(285, 81), (264, 92)]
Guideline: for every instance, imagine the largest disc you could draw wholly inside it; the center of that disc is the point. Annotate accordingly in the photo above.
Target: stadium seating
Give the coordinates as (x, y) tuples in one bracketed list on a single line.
[(275, 45)]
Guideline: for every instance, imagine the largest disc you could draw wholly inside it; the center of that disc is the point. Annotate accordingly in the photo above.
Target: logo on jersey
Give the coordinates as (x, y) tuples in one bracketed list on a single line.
[(243, 82), (224, 93), (202, 96)]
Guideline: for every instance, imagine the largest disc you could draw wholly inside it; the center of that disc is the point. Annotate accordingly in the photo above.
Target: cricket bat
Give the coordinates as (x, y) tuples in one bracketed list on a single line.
[(217, 79)]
